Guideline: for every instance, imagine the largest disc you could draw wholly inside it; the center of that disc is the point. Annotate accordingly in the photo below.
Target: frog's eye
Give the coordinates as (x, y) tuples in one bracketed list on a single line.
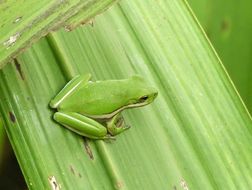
[(143, 98)]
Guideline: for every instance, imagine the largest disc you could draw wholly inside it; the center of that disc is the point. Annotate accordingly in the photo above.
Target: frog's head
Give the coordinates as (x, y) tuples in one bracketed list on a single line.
[(141, 92)]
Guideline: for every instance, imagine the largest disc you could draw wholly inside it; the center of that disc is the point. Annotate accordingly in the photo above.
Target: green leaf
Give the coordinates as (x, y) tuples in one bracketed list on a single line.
[(229, 29), (196, 135), (2, 142), (23, 22)]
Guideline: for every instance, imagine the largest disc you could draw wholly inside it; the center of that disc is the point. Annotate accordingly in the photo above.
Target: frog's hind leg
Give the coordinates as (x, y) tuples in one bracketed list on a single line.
[(70, 87), (82, 125)]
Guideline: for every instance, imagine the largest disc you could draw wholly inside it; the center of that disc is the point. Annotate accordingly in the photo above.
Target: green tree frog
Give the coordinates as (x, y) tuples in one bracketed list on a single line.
[(93, 109)]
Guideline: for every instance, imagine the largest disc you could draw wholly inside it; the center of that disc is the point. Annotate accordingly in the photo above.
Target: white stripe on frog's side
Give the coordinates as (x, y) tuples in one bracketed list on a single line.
[(110, 115)]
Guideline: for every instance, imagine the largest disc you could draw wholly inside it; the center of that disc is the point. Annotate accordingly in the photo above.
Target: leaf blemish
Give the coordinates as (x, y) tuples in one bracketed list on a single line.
[(12, 117), (12, 40), (88, 149), (225, 25), (18, 67), (53, 183), (184, 184), (17, 19), (72, 169), (119, 185)]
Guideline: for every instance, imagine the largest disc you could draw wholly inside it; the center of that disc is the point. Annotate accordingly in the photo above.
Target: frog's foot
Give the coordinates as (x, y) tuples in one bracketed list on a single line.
[(117, 125)]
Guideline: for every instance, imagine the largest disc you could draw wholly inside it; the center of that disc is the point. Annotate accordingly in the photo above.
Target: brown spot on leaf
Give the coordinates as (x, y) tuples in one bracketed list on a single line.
[(79, 175), (12, 117), (225, 25), (72, 169), (53, 183), (18, 67), (88, 149)]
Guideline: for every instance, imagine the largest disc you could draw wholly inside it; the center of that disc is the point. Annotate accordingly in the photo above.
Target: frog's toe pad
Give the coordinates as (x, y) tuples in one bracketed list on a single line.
[(127, 126)]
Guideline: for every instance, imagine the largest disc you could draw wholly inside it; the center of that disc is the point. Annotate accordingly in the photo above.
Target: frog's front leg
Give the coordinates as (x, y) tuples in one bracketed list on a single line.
[(82, 125), (116, 125)]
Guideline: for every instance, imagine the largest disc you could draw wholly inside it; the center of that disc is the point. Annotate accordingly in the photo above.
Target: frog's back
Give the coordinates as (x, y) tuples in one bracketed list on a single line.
[(96, 98)]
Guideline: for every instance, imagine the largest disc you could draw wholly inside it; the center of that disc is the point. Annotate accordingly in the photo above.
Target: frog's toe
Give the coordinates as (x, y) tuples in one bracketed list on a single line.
[(109, 138), (127, 127)]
